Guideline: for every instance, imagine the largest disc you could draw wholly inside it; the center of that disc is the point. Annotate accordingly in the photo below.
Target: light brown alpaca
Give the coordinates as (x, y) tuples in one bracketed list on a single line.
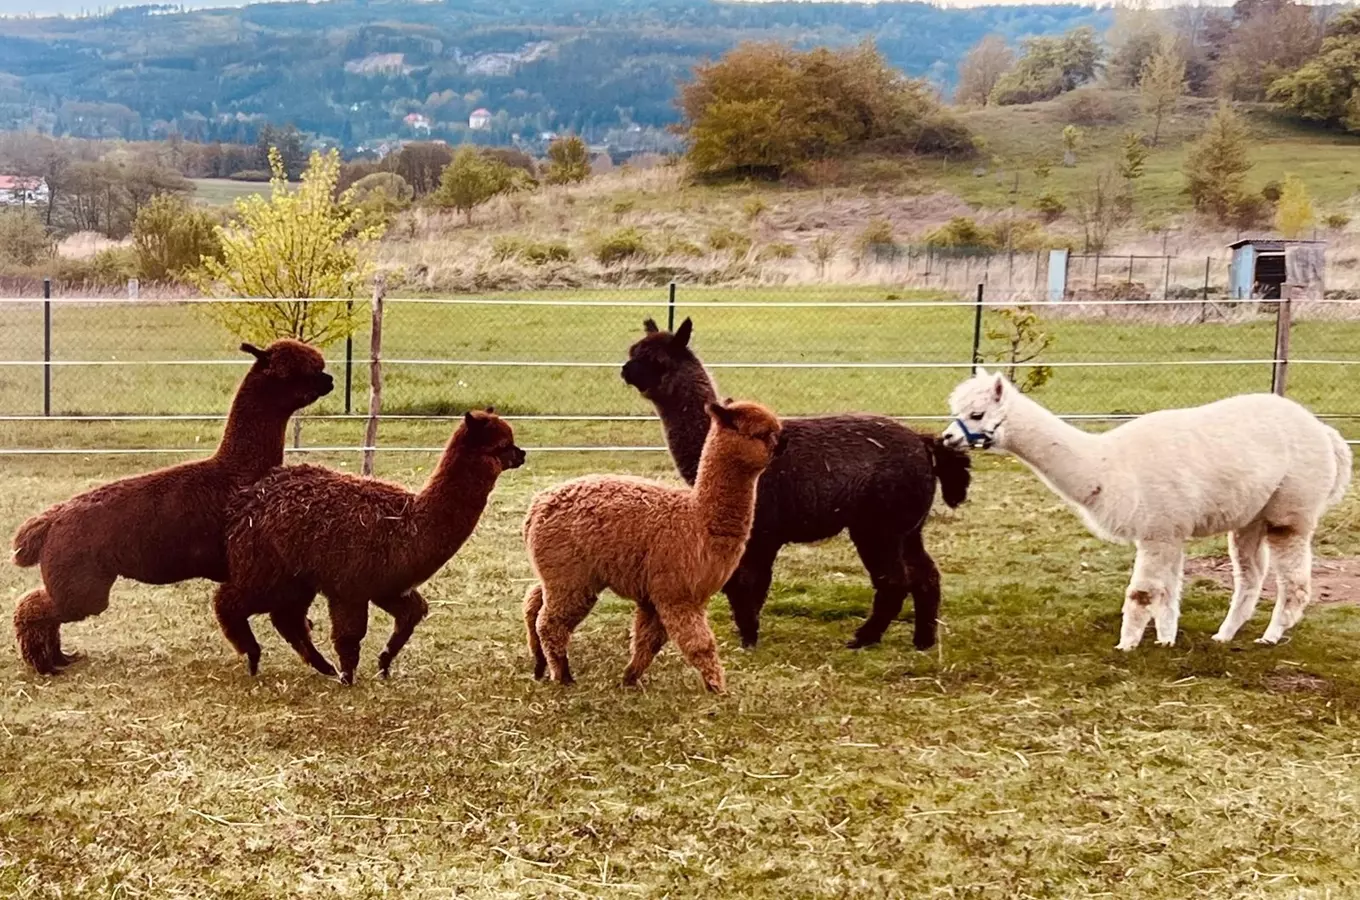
[(666, 548)]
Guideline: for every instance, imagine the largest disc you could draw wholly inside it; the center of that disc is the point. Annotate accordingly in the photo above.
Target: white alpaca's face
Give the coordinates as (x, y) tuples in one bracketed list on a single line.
[(978, 406)]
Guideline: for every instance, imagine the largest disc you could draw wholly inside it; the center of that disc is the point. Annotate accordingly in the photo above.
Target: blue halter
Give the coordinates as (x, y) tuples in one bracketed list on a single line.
[(978, 440)]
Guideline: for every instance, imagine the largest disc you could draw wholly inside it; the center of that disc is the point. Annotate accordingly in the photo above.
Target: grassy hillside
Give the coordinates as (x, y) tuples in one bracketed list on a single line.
[(1016, 138)]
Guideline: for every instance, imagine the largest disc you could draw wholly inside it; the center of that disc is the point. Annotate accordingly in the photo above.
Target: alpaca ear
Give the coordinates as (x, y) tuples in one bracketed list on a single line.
[(649, 326), (261, 355), (683, 332), (469, 419), (722, 415), (491, 410), (999, 386)]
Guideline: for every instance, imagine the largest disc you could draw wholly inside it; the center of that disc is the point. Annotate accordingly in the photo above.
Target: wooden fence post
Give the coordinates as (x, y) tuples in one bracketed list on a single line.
[(374, 375)]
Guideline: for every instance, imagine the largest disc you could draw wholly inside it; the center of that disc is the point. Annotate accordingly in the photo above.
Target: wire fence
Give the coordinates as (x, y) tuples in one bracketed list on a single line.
[(115, 376)]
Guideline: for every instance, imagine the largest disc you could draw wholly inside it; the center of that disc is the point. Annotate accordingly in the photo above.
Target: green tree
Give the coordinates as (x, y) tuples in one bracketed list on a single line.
[(1326, 89), (299, 249), (288, 142), (1162, 84), (1071, 138), (1294, 214), (1217, 165), (1134, 157), (568, 160), (378, 198), (472, 179), (1019, 337), (171, 237), (1050, 66)]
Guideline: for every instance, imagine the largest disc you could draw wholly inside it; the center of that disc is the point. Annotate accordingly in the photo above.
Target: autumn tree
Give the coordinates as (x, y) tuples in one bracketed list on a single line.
[(1100, 206), (421, 165), (1268, 39), (764, 110), (23, 239), (1162, 84), (1217, 165), (981, 69), (299, 250), (568, 160)]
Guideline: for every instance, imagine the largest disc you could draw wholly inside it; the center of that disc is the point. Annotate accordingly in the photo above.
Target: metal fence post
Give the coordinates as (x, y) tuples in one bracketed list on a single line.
[(670, 310), (47, 346), (1204, 298), (1129, 280), (1166, 279), (977, 329), (1280, 369), (1095, 282), (349, 360)]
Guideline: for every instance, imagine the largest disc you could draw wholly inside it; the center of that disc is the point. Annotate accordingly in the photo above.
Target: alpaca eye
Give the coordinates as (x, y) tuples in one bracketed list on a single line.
[(976, 417)]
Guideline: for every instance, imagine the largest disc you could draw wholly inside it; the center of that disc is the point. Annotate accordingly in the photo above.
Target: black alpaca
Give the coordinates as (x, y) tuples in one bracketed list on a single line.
[(864, 473)]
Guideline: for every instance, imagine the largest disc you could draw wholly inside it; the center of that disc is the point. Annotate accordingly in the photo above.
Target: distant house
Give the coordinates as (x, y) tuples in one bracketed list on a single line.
[(417, 122), (480, 120), (17, 190)]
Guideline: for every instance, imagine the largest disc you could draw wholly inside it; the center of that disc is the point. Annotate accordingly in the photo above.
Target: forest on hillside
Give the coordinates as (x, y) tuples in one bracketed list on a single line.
[(353, 71)]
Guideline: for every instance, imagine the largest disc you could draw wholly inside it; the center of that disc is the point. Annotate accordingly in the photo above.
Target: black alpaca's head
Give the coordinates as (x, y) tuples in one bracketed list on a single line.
[(660, 359)]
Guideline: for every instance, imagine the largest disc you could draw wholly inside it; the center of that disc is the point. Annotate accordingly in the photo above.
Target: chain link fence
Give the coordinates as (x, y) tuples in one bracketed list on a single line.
[(92, 376)]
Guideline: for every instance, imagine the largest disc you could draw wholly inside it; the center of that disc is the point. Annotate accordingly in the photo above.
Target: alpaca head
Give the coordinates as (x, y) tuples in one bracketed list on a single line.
[(747, 434), (488, 435), (979, 406), (287, 375), (662, 362)]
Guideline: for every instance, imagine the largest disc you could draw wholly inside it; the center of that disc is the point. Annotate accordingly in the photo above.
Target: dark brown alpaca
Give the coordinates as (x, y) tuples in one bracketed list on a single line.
[(165, 526), (304, 530), (867, 474)]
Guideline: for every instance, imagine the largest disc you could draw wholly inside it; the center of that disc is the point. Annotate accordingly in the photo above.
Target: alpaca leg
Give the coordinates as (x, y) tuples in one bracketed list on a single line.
[(648, 637), (533, 602), (407, 611), (349, 624), (232, 607), (882, 556), (1249, 558), (1293, 554), (71, 594), (1168, 616), (687, 624), (747, 590), (557, 619), (924, 576), (291, 622), (1149, 591)]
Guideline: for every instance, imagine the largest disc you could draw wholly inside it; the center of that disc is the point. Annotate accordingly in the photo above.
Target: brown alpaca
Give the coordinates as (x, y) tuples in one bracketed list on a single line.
[(304, 529), (666, 548), (165, 526)]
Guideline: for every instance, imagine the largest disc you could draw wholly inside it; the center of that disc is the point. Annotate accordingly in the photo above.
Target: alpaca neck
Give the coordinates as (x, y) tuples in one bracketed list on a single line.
[(1068, 459), (684, 417), (452, 501), (253, 440), (725, 502)]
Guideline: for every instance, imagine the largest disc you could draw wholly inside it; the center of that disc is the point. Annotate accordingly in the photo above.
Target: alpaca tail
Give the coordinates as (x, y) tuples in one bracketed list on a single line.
[(29, 539), (952, 468), (1344, 461)]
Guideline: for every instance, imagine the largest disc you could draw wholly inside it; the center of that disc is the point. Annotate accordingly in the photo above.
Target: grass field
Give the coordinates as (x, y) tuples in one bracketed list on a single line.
[(222, 191), (1023, 757)]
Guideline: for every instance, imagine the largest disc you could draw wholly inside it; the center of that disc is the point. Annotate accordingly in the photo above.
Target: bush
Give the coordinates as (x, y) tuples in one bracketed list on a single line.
[(778, 251), (378, 198), (1050, 206), (1272, 191), (112, 267), (620, 246), (23, 239), (1090, 106), (171, 237), (723, 238), (1336, 221), (249, 175), (678, 246), (507, 247), (514, 159), (962, 231), (568, 161), (878, 233), (753, 208)]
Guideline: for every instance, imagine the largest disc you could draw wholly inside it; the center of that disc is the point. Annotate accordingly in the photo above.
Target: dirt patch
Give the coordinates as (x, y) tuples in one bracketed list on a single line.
[(1294, 683), (1334, 580)]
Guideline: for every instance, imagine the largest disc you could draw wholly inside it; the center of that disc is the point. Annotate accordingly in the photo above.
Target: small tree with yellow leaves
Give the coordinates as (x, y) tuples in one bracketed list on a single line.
[(1294, 214), (300, 250)]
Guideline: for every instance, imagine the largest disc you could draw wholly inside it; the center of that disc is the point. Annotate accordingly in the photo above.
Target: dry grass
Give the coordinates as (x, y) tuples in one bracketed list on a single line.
[(1022, 758)]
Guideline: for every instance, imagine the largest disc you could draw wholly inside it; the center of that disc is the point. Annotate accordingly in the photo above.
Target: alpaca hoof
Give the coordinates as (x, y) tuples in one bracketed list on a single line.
[(1266, 640), (715, 688), (253, 664), (384, 664), (1170, 643), (923, 644), (1126, 648), (858, 642), (566, 680), (347, 678), (1222, 638), (540, 670)]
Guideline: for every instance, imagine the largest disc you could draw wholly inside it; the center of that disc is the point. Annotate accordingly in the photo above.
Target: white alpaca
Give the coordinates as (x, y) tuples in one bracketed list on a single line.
[(1257, 466)]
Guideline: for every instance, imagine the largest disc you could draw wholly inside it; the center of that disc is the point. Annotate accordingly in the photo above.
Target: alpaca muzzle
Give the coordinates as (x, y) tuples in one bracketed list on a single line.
[(959, 435), (513, 458), (324, 384)]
